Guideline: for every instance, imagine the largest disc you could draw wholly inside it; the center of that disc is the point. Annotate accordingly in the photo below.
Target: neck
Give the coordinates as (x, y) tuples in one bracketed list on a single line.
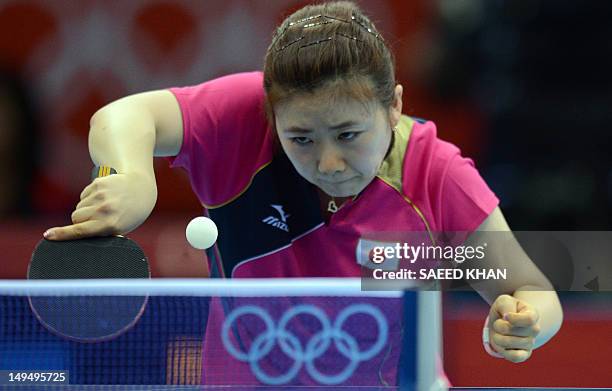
[(391, 141)]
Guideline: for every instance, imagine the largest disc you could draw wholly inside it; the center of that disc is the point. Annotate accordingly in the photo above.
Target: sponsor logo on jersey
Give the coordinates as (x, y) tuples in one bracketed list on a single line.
[(279, 221)]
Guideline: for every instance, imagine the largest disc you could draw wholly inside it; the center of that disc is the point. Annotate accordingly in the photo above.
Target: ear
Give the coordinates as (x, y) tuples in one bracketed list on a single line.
[(395, 110)]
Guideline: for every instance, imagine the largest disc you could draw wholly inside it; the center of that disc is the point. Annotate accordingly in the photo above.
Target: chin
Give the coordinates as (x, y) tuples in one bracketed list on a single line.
[(342, 190), (336, 193)]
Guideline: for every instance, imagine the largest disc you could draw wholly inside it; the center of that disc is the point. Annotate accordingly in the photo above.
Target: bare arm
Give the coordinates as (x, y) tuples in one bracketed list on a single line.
[(125, 135), (503, 251), (541, 318)]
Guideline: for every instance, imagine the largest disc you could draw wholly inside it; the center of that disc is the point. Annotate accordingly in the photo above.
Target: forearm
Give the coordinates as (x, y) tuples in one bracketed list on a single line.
[(122, 135), (549, 309)]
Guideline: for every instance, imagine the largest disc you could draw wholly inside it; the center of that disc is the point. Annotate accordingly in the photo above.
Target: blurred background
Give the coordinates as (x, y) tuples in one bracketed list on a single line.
[(521, 86)]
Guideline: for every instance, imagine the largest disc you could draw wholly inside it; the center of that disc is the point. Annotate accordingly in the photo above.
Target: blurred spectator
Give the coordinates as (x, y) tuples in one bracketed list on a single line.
[(19, 151)]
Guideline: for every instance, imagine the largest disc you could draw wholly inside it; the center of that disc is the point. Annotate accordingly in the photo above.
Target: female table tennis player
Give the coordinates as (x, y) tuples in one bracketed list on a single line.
[(295, 163)]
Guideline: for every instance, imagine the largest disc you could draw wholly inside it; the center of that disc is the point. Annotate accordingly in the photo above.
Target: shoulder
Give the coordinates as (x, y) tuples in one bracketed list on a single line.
[(233, 101), (226, 134), (417, 156), (427, 158), (239, 94), (443, 182), (425, 146), (245, 82)]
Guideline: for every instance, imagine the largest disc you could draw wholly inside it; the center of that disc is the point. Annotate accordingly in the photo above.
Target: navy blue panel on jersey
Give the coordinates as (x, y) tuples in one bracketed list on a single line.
[(277, 207)]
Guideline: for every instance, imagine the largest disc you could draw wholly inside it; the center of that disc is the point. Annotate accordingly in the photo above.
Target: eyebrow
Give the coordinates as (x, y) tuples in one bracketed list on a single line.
[(342, 125)]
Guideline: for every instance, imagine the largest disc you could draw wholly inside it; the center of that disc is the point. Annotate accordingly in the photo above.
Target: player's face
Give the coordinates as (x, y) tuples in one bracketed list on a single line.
[(336, 144)]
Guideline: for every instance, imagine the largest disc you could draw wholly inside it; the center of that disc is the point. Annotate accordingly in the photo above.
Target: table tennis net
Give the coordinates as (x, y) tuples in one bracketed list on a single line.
[(278, 333)]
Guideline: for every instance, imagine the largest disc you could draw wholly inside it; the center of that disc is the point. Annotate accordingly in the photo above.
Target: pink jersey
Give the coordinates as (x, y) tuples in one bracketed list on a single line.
[(269, 217)]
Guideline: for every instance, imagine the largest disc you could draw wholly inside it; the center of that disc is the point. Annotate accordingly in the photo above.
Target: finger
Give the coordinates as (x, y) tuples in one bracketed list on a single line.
[(502, 305), (512, 342), (80, 215), (522, 319), (78, 231), (504, 327), (93, 193), (516, 355), (91, 199), (89, 189), (523, 307), (492, 343)]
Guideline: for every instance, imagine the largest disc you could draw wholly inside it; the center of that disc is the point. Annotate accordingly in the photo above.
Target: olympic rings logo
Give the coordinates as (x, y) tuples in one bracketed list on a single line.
[(315, 347)]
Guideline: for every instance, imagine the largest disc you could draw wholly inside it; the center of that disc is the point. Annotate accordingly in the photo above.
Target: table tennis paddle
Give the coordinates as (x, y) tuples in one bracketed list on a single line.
[(88, 318)]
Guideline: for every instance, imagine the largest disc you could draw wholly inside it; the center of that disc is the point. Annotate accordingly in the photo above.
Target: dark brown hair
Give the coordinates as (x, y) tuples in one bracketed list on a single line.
[(331, 44)]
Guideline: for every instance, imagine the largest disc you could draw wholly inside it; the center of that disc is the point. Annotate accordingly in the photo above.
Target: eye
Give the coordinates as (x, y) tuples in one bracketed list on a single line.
[(301, 140), (348, 136)]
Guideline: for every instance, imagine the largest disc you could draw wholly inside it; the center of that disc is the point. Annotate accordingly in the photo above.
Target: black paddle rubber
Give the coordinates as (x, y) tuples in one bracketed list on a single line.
[(88, 318)]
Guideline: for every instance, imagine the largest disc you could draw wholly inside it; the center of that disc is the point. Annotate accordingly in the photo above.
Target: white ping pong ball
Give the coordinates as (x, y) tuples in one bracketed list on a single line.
[(201, 233)]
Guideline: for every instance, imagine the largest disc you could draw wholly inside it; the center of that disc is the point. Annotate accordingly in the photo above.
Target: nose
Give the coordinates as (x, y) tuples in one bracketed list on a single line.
[(331, 161)]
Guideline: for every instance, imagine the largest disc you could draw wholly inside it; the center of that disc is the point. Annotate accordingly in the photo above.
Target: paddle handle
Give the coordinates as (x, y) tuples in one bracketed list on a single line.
[(100, 171)]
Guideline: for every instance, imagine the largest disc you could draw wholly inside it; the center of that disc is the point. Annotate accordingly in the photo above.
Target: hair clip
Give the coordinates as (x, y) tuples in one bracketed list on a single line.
[(363, 26), (318, 41), (306, 19), (328, 19), (309, 25), (285, 46), (329, 39)]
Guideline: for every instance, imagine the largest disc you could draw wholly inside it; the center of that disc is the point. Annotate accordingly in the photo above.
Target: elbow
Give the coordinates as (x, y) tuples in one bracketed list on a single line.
[(96, 122), (98, 117)]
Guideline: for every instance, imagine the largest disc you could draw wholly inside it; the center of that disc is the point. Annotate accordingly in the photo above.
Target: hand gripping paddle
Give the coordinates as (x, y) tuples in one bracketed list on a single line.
[(88, 318)]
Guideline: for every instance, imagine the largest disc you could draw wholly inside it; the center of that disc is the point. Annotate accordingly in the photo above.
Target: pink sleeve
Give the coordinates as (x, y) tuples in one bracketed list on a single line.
[(445, 186), (226, 138), (466, 199)]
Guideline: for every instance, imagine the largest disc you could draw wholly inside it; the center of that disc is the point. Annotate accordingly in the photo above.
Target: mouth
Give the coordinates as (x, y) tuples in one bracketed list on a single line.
[(336, 183)]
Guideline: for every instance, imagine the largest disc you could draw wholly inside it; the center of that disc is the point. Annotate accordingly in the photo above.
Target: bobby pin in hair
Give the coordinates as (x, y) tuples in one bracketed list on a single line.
[(328, 19), (318, 41)]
